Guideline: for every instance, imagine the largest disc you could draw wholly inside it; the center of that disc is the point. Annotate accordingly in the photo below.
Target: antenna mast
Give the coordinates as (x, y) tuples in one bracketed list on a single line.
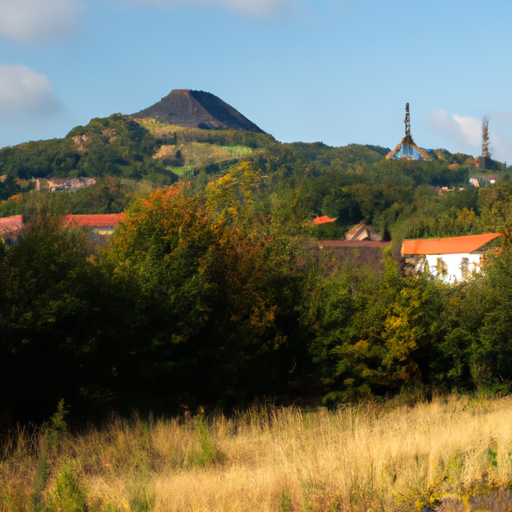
[(485, 138), (407, 121), (485, 141)]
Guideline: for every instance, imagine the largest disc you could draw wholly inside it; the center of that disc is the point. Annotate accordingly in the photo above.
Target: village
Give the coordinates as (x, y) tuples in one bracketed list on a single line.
[(450, 259)]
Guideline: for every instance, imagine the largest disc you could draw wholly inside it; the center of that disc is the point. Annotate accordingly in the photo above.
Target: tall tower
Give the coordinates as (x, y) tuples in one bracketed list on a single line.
[(485, 160), (407, 149), (485, 138), (407, 121)]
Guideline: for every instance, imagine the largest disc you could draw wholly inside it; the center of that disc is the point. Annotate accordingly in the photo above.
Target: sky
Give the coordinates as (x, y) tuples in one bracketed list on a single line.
[(335, 71)]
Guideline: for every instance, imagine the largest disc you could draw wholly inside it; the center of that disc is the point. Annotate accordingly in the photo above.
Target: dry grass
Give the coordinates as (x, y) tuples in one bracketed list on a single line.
[(199, 154), (454, 454)]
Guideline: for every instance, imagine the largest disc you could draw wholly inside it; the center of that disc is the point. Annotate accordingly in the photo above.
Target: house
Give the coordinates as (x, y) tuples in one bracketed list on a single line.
[(11, 228), (57, 184), (363, 231), (452, 259), (478, 181), (99, 224)]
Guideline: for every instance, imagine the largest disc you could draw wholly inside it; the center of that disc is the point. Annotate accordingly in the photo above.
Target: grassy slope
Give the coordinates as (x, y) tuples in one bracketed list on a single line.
[(360, 458)]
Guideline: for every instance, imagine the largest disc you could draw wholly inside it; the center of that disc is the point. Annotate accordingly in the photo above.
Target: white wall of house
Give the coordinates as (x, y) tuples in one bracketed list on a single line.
[(452, 268)]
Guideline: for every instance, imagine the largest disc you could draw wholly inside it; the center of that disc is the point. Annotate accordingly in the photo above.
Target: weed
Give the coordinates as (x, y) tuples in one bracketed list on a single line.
[(286, 502), (67, 493), (208, 452), (48, 441)]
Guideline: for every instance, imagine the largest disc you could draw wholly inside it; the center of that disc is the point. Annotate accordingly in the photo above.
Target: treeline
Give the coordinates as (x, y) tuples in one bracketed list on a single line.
[(214, 297), (374, 334)]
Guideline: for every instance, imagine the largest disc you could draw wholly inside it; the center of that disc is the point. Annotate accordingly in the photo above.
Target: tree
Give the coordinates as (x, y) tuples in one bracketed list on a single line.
[(375, 333), (213, 299), (53, 316)]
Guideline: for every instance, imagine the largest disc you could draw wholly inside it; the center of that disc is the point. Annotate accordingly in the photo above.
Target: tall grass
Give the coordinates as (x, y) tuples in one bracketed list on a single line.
[(453, 454)]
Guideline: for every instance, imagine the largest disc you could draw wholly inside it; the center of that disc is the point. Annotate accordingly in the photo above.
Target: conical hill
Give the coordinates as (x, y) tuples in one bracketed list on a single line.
[(198, 109)]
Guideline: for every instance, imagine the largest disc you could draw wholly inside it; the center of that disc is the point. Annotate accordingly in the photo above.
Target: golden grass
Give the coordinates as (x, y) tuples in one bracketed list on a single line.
[(200, 154), (450, 453)]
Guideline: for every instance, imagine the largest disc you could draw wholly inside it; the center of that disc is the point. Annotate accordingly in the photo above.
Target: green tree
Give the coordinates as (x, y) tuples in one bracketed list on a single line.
[(214, 301), (52, 316)]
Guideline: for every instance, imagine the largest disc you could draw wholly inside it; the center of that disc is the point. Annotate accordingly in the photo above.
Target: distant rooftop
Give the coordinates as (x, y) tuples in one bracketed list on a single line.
[(93, 221), (322, 219), (452, 245)]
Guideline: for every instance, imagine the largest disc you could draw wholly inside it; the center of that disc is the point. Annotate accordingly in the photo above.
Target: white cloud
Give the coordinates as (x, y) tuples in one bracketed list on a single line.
[(470, 127), (464, 133), (25, 91), (39, 20), (258, 8), (455, 132)]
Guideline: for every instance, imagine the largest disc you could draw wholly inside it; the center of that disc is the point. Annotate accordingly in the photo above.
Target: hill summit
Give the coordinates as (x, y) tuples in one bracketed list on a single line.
[(198, 109)]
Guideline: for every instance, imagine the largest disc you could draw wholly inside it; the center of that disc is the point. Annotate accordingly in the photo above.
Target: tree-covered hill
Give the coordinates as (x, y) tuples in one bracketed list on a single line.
[(115, 146), (130, 156)]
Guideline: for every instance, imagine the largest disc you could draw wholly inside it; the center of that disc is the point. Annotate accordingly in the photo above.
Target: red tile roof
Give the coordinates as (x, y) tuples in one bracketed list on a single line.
[(322, 220), (11, 224), (454, 245), (93, 221)]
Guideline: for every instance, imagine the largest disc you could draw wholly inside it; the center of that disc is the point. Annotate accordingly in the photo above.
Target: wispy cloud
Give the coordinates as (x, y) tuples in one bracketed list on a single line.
[(463, 134), (257, 8), (39, 20), (455, 132), (24, 91), (470, 127)]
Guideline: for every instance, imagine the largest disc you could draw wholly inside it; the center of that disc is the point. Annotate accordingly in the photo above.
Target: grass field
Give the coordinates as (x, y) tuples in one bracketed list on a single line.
[(197, 154), (453, 454)]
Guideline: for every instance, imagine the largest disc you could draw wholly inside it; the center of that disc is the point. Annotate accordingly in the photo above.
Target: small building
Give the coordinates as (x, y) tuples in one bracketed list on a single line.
[(478, 181), (361, 232), (67, 184), (451, 259), (11, 228), (100, 227)]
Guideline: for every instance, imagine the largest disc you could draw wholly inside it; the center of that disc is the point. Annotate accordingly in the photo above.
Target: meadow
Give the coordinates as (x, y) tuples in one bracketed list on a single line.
[(451, 454)]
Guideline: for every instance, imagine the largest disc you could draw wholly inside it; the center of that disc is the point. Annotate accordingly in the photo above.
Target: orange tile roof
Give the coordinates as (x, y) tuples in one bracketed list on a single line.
[(109, 219), (454, 245), (323, 219), (11, 224)]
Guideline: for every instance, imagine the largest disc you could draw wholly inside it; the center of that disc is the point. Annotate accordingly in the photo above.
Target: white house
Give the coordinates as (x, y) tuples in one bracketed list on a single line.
[(452, 259)]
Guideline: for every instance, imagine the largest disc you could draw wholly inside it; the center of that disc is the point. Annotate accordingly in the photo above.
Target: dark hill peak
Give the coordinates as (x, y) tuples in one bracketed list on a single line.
[(198, 109)]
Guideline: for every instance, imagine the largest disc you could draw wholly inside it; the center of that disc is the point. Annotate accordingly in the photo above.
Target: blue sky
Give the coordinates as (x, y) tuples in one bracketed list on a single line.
[(336, 71)]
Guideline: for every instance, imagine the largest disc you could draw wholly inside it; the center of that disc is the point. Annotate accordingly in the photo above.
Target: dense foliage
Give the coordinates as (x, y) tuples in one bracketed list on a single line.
[(210, 293), (214, 297), (115, 146)]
